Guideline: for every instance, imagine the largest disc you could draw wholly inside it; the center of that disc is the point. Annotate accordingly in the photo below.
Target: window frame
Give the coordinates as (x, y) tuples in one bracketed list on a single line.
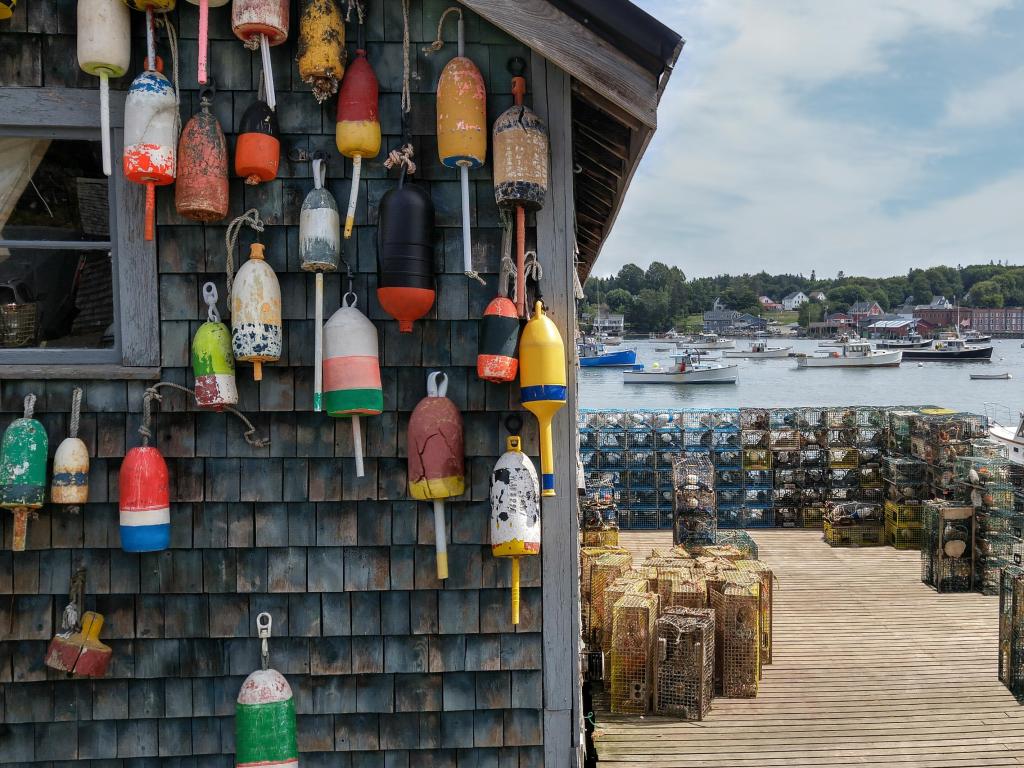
[(73, 113)]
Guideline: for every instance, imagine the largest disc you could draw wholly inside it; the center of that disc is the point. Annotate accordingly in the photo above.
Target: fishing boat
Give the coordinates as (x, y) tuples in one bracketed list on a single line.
[(913, 340), (839, 341), (688, 369), (610, 341), (703, 341), (857, 354), (991, 376), (662, 349), (759, 349), (1011, 437), (977, 337), (594, 356), (955, 348)]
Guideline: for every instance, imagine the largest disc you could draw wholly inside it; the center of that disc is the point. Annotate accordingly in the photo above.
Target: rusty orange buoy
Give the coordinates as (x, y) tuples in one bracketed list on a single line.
[(201, 190)]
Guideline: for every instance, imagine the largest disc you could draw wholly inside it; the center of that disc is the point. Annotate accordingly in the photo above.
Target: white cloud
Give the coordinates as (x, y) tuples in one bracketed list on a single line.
[(996, 101), (742, 176)]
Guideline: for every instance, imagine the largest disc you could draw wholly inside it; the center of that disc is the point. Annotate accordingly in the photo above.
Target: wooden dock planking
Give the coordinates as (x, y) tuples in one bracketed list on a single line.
[(871, 668)]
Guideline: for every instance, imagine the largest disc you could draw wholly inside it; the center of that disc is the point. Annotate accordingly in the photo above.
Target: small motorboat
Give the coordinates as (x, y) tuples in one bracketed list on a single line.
[(704, 341), (839, 341), (858, 354), (595, 356), (759, 349), (663, 349), (954, 348), (977, 337), (991, 376), (689, 369), (911, 341)]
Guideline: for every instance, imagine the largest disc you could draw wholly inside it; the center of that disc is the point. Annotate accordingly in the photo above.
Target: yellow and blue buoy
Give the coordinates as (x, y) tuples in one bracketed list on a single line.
[(542, 384)]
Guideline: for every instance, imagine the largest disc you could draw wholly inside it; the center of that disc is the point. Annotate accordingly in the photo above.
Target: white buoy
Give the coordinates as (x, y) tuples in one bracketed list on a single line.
[(104, 50)]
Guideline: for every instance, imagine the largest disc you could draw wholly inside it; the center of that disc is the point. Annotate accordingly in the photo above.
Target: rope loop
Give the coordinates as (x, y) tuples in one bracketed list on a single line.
[(401, 157), (359, 9), (30, 405), (250, 218), (76, 411), (438, 43), (153, 393)]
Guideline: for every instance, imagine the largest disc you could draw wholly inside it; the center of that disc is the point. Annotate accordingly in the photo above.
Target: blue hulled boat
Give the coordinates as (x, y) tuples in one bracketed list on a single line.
[(594, 356)]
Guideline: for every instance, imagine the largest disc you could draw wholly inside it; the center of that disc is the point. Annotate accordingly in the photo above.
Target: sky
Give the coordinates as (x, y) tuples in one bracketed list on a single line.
[(868, 136)]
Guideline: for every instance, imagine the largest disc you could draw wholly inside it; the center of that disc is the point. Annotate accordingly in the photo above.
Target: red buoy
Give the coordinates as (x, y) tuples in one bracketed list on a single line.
[(201, 189), (499, 335), (145, 501), (405, 254)]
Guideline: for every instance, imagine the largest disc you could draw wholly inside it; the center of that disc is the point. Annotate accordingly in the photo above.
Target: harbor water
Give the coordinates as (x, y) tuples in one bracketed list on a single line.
[(778, 383)]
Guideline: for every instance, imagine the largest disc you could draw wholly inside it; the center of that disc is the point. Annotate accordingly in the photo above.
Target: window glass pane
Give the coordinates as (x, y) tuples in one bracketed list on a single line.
[(56, 299), (52, 190)]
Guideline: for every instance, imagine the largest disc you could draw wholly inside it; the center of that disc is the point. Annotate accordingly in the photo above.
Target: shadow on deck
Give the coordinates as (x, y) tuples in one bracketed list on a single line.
[(871, 668)]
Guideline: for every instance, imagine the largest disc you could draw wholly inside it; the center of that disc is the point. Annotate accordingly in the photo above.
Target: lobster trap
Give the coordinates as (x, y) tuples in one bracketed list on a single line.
[(737, 639), (632, 582), (1011, 630), (597, 573), (633, 618), (684, 662), (947, 547), (866, 535), (766, 595)]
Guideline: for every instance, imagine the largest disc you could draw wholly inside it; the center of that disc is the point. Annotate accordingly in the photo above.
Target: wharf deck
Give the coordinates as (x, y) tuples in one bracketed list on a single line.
[(871, 668)]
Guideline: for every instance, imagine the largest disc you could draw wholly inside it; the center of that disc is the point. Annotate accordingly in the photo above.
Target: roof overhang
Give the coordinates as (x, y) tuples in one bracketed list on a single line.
[(619, 59)]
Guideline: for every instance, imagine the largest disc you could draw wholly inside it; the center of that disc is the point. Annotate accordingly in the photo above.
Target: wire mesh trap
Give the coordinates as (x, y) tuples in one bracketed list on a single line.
[(685, 662), (737, 639), (633, 618)]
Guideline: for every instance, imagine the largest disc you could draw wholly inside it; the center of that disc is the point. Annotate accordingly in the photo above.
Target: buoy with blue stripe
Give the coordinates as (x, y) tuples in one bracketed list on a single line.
[(320, 251), (145, 501), (352, 385), (542, 384), (265, 724), (23, 470), (437, 462), (213, 364), (70, 482)]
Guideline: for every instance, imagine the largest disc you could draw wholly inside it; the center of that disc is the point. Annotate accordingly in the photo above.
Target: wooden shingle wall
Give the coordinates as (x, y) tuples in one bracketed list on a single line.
[(389, 667)]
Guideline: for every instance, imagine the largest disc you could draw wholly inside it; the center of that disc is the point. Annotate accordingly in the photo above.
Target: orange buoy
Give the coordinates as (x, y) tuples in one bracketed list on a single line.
[(201, 190), (499, 336), (257, 150)]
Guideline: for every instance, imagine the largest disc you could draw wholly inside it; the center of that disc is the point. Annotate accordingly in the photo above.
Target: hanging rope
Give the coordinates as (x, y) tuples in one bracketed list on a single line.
[(153, 394), (400, 157), (76, 412), (359, 9), (30, 405), (76, 597), (507, 282), (438, 43), (172, 41), (250, 218), (533, 271), (406, 95)]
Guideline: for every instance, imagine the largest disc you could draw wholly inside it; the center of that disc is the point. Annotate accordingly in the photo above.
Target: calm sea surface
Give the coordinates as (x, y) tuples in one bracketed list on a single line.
[(778, 383)]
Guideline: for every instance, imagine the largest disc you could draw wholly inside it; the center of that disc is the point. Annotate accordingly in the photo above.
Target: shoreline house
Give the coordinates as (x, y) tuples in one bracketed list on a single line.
[(794, 301), (864, 312), (388, 665), (768, 304), (818, 296), (613, 324), (719, 318)]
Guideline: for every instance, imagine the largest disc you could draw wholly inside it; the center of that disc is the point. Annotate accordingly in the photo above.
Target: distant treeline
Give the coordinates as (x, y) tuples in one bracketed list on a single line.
[(661, 297)]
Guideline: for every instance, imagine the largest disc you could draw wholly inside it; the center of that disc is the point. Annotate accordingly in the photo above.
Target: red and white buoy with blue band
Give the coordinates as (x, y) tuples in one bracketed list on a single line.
[(145, 507)]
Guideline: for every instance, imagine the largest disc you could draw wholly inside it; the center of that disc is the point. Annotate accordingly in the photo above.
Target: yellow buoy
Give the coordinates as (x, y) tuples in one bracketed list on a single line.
[(542, 384), (322, 54)]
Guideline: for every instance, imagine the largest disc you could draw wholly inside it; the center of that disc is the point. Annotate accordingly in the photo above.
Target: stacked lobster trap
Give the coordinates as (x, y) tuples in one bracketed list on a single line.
[(1011, 629), (854, 524), (694, 501), (947, 547), (684, 662)]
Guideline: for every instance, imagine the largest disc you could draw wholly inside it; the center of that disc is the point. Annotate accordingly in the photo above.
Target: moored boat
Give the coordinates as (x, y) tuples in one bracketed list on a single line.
[(759, 349), (910, 341), (703, 341), (689, 369), (977, 337), (991, 376), (950, 349), (840, 340), (857, 354), (595, 356)]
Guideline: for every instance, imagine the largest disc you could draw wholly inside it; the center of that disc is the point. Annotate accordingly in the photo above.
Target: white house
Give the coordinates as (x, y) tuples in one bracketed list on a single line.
[(794, 301), (612, 324), (818, 296)]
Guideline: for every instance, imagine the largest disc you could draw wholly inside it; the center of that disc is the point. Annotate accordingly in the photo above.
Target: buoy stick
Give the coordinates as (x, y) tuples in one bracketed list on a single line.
[(547, 461), (515, 590), (257, 373), (462, 36), (520, 260), (150, 42), (318, 364), (467, 246), (357, 448), (21, 529), (150, 209), (350, 215), (440, 544), (204, 20), (268, 73), (105, 119)]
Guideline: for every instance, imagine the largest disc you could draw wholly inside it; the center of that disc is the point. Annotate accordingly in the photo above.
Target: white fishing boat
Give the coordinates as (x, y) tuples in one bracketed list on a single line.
[(759, 349), (1012, 438), (912, 340), (840, 340), (688, 369), (858, 354), (703, 341)]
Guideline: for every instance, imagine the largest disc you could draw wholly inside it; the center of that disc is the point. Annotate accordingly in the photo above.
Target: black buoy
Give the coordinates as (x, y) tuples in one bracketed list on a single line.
[(405, 254)]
